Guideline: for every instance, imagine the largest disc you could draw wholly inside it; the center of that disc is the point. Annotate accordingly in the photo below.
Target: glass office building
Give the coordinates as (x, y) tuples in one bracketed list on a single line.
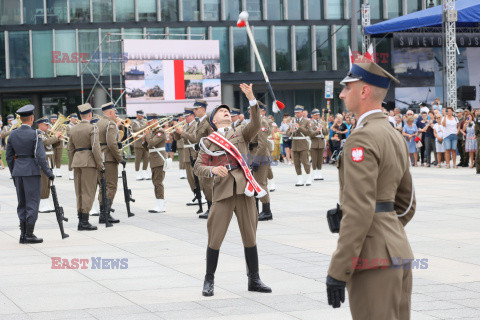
[(302, 43)]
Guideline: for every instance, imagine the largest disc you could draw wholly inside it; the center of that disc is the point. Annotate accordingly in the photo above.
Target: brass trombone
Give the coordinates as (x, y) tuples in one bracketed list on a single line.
[(175, 126), (139, 134)]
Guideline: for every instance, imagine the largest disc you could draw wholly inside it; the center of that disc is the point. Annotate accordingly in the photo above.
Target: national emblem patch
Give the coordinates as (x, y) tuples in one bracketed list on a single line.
[(263, 129), (357, 154)]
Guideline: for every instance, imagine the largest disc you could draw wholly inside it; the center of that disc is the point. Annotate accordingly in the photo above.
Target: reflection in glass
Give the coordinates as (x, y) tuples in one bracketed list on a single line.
[(33, 12), (303, 48), (335, 9), (233, 9), (79, 10), (413, 5), (177, 33), (305, 98), (156, 33), (324, 49), (57, 11), (10, 12), (169, 10), (115, 50), (282, 49), (376, 8), (275, 9), (315, 8), (241, 51), (19, 54), (65, 43), (147, 11), (102, 11), (211, 10), (342, 42), (2, 56), (295, 9), (197, 33), (87, 44), (394, 8), (254, 9), (262, 39), (191, 10), (136, 33), (221, 34), (125, 10), (42, 42)]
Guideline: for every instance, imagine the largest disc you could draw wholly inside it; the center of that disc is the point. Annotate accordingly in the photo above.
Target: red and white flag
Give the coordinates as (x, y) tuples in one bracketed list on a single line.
[(174, 79)]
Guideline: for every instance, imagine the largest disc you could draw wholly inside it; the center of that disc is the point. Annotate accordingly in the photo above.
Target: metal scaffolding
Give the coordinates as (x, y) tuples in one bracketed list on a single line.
[(451, 50), (365, 22)]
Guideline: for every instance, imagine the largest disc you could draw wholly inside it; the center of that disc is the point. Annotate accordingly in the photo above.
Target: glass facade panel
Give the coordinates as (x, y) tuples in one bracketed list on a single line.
[(135, 33), (303, 48), (198, 33), (324, 48), (115, 49), (33, 12), (254, 9), (315, 9), (19, 50), (342, 42), (394, 8), (177, 33), (102, 10), (241, 51), (275, 9), (42, 42), (10, 12), (191, 10), (57, 11), (2, 55), (169, 10), (65, 43), (156, 33), (262, 39), (335, 9), (413, 5), (125, 10), (295, 9), (282, 49), (79, 11), (305, 98), (233, 9), (211, 10), (87, 44), (147, 10), (221, 34)]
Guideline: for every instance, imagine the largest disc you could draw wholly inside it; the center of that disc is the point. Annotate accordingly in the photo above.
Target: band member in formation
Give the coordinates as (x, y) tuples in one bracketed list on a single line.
[(377, 200), (233, 189), (57, 151), (236, 118), (25, 158), (319, 131), (6, 127), (259, 156), (155, 141), (43, 125), (95, 208), (108, 138), (182, 173), (73, 121), (84, 150), (203, 129), (141, 155), (299, 132)]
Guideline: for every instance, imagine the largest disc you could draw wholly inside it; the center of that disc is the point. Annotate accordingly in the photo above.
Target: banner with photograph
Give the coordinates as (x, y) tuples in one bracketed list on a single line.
[(165, 76)]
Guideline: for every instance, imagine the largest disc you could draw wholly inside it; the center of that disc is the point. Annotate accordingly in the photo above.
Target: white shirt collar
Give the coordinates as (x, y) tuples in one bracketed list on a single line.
[(26, 125), (366, 114), (201, 119), (222, 131)]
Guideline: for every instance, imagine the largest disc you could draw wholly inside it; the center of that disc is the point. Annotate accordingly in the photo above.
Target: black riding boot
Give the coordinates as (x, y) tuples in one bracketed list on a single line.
[(254, 282), (84, 224), (205, 215), (22, 232), (111, 219), (212, 261), (29, 236), (266, 213)]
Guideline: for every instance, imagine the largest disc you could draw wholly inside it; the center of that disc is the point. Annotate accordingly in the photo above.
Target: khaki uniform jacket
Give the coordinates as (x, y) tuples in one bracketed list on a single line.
[(156, 139), (138, 125), (318, 138), (261, 153), (108, 137), (374, 167), (302, 132), (237, 124), (6, 131), (224, 188), (85, 135), (47, 143), (188, 131), (202, 130)]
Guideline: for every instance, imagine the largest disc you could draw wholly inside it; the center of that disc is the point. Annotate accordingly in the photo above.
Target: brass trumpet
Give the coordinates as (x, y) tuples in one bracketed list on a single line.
[(126, 122), (139, 134), (60, 126), (175, 126)]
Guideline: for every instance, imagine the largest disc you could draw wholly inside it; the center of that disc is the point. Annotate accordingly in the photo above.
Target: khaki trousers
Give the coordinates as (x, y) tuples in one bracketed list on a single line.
[(157, 179), (141, 155), (270, 173), (190, 178), (206, 184), (111, 178), (261, 175), (317, 158), (85, 187), (181, 160), (381, 294), (221, 214), (45, 186), (299, 158), (57, 155)]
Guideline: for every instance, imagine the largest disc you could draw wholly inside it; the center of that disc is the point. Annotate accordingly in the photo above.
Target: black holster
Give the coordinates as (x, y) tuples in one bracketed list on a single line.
[(334, 217)]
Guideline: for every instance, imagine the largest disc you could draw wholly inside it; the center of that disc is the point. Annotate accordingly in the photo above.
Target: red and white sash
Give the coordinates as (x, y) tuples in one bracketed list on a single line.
[(252, 184)]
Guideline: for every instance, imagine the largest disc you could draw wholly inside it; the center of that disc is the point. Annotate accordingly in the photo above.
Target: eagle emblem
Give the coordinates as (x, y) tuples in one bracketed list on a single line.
[(159, 134), (357, 154), (263, 129)]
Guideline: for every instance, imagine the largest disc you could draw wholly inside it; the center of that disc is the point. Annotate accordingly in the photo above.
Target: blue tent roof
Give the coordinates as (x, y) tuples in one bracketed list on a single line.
[(468, 12)]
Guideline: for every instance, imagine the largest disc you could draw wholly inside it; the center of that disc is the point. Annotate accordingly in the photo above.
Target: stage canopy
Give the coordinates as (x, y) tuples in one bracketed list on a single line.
[(468, 15)]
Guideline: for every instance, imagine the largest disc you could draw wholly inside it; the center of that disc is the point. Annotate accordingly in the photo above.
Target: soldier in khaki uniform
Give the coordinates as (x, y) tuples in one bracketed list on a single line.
[(43, 125), (155, 140), (6, 127), (259, 156), (477, 133), (141, 155), (299, 132), (84, 150), (57, 150), (73, 121), (235, 117), (108, 138), (203, 129), (229, 193), (182, 174), (319, 131), (377, 200)]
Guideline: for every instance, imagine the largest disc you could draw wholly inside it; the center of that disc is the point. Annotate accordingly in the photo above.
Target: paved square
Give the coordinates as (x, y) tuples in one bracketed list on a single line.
[(166, 255)]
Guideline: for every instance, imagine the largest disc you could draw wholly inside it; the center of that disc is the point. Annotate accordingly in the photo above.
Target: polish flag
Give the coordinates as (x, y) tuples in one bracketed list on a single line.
[(369, 53), (174, 77), (350, 55)]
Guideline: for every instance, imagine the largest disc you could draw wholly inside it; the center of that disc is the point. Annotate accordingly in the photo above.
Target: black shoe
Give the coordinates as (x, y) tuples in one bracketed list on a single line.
[(83, 224), (205, 215), (254, 282), (266, 213), (22, 232), (212, 261), (111, 219), (29, 236)]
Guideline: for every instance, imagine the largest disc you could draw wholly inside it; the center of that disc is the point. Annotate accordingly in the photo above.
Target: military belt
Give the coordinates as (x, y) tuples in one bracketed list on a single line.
[(49, 153), (19, 156), (320, 137), (83, 149), (299, 138), (103, 144), (384, 207), (156, 150)]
